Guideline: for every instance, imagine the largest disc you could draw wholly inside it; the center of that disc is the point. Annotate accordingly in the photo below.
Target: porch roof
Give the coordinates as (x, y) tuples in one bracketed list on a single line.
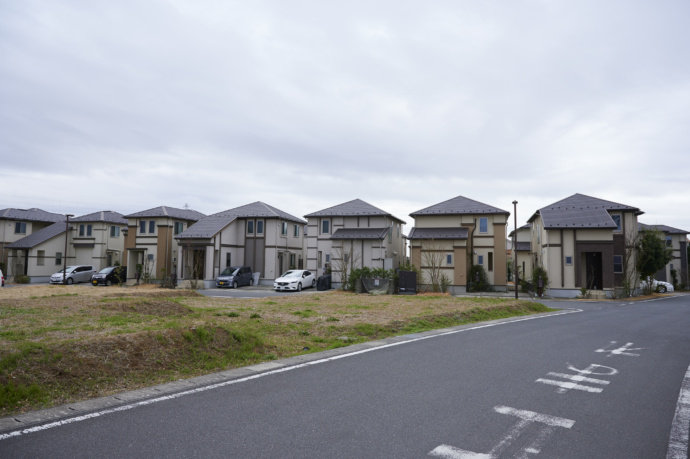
[(38, 237), (438, 233), (360, 233)]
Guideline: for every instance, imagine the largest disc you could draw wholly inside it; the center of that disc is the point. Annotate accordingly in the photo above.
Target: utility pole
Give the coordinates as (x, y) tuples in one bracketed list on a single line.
[(515, 263), (64, 257)]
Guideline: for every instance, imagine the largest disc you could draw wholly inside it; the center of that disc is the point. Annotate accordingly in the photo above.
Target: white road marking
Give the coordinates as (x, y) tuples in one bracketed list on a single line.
[(590, 370), (527, 418), (678, 440), (623, 350), (51, 425)]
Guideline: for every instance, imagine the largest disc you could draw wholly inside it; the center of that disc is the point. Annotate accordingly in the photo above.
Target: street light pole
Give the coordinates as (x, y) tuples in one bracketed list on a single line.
[(64, 257), (515, 263)]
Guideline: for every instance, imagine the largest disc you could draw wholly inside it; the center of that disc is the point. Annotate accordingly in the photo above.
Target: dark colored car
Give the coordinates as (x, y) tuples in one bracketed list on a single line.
[(110, 275), (234, 276)]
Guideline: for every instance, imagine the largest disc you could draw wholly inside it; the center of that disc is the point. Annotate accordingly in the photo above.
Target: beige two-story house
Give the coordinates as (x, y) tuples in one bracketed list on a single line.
[(454, 235), (585, 242), (258, 235), (98, 239), (676, 240), (351, 235), (150, 242)]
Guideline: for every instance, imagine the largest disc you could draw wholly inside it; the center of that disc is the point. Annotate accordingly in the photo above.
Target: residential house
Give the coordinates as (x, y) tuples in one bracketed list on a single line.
[(353, 234), (521, 253), (454, 235), (585, 242), (258, 235), (150, 242), (16, 224), (39, 254), (676, 240), (98, 239)]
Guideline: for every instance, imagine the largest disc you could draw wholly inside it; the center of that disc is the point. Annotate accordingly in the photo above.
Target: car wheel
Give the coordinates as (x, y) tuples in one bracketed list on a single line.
[(234, 284), (251, 282), (299, 287), (69, 281), (108, 283), (313, 283), (662, 289)]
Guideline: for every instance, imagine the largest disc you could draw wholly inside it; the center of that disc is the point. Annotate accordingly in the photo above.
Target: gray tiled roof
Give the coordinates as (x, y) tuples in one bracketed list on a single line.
[(580, 211), (360, 233), (39, 236), (31, 215), (354, 208), (438, 233), (172, 212), (209, 226), (459, 205), (523, 246), (102, 216), (662, 228)]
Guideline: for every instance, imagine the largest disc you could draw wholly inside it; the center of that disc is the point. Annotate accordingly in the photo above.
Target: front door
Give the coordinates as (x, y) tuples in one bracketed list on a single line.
[(593, 265)]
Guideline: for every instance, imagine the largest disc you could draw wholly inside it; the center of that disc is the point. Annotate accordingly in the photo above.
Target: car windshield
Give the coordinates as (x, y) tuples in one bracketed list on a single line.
[(292, 274), (69, 269), (106, 270), (229, 271)]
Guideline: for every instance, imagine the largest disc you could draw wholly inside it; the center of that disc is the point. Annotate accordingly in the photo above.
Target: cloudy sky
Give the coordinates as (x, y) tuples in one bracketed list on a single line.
[(129, 104)]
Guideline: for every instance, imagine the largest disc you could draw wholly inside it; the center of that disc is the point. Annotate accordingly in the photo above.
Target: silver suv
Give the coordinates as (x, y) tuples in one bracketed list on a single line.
[(235, 276), (78, 273)]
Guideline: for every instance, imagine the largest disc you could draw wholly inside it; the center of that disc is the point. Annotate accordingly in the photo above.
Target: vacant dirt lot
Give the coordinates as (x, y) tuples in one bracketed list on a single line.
[(65, 343)]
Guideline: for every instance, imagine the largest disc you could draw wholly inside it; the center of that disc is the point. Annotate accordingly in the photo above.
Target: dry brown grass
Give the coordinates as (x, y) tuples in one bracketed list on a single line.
[(77, 342)]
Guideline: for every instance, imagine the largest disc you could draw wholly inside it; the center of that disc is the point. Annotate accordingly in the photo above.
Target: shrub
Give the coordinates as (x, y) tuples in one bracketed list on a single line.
[(481, 285), (21, 279), (540, 272)]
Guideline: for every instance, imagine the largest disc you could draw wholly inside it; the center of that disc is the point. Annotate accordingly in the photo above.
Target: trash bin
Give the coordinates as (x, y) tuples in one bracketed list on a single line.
[(255, 278), (324, 283)]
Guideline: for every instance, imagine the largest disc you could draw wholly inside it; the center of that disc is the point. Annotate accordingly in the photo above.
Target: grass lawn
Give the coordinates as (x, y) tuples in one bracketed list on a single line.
[(60, 344)]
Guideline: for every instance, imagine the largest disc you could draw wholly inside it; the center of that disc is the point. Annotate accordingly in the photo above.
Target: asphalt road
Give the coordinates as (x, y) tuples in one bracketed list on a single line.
[(599, 382)]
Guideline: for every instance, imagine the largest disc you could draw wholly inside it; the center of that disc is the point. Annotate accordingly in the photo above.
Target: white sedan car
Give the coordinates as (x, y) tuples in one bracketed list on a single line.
[(295, 279), (658, 286)]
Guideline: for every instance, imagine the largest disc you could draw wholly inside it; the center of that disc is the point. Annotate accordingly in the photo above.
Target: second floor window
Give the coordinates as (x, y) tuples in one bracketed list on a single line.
[(617, 221), (152, 226), (114, 231), (20, 228), (483, 225), (142, 227), (325, 226), (179, 227), (296, 231), (283, 228), (259, 227), (250, 226)]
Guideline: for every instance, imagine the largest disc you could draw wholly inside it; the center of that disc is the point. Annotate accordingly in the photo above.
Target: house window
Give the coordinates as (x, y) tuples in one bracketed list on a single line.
[(259, 227), (292, 261), (81, 229), (109, 259), (283, 228), (58, 258), (88, 230), (250, 226), (152, 226), (568, 260), (617, 221), (19, 228), (669, 241), (483, 225), (397, 234), (40, 257), (618, 263), (179, 227), (325, 226), (347, 258), (480, 260), (449, 259), (114, 231), (671, 265), (328, 258), (142, 227), (296, 231), (318, 260), (390, 235), (150, 257), (491, 261), (228, 259)]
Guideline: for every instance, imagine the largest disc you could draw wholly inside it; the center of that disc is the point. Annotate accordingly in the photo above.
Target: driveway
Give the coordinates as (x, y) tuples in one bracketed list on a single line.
[(256, 291)]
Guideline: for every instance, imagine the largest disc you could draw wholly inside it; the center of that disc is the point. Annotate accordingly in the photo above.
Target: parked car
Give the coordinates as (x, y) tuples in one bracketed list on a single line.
[(109, 276), (77, 273), (234, 276), (2, 279), (658, 286), (295, 279)]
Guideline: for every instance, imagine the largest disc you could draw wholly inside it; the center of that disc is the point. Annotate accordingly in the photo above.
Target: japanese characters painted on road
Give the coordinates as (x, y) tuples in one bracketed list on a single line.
[(623, 350), (593, 369), (527, 421)]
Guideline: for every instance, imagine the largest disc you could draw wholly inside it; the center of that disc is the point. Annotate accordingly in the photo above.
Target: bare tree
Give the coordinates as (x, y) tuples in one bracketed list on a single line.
[(433, 255), (343, 261)]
